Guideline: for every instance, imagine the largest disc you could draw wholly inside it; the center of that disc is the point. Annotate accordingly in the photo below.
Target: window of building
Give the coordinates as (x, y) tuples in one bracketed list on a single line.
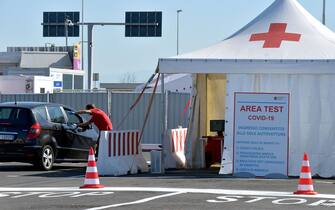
[(67, 81), (78, 82)]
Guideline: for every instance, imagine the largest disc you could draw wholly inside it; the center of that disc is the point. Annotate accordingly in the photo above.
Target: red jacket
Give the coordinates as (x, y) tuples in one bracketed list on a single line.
[(101, 120)]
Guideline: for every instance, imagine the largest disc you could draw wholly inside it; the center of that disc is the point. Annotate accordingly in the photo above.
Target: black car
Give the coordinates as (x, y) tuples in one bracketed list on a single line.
[(43, 134)]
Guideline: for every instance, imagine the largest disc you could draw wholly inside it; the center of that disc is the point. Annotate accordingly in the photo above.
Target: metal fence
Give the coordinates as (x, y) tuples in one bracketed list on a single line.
[(117, 105), (176, 103)]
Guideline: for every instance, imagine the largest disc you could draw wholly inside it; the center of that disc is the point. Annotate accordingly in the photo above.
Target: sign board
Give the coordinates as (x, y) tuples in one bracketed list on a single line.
[(57, 80), (76, 57), (150, 24), (54, 24), (261, 133)]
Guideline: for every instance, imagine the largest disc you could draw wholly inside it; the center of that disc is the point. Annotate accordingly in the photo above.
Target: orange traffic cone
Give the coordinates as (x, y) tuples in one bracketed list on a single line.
[(305, 186), (91, 176)]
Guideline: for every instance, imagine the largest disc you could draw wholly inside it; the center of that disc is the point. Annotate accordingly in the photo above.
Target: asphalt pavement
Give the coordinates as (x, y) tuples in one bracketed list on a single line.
[(24, 187)]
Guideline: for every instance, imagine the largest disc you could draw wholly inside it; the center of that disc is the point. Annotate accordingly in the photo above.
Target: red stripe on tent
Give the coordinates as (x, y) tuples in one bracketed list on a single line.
[(128, 144), (172, 141), (118, 146), (109, 144), (92, 175), (124, 144), (132, 145), (305, 181), (91, 163), (114, 144), (187, 105), (305, 169), (137, 143)]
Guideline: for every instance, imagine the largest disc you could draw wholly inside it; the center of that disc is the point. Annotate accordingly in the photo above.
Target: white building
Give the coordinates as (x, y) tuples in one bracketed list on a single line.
[(17, 84), (42, 61)]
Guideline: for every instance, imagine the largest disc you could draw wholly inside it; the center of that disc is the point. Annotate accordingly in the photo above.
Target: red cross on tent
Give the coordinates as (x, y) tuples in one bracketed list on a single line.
[(275, 36)]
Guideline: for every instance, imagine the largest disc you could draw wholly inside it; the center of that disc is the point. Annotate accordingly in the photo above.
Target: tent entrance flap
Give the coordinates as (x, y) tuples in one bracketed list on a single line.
[(216, 99), (209, 104)]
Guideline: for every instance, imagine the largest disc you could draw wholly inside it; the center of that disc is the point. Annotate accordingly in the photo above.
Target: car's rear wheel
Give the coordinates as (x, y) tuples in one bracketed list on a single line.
[(46, 158)]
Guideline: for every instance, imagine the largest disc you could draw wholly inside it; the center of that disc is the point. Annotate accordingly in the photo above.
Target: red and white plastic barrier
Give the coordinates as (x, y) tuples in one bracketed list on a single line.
[(175, 152), (120, 152)]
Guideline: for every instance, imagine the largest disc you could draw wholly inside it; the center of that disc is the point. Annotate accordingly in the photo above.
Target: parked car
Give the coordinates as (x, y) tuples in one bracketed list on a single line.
[(43, 134)]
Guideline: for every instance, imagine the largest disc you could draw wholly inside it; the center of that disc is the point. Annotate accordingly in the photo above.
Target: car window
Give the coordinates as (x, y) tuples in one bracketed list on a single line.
[(73, 118), (56, 114), (15, 116), (41, 113), (5, 113)]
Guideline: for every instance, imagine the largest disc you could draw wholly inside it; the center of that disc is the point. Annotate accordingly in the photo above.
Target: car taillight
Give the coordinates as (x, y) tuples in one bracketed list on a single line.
[(34, 131)]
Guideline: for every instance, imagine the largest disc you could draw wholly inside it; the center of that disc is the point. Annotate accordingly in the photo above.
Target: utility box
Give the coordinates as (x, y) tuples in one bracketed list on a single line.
[(156, 162)]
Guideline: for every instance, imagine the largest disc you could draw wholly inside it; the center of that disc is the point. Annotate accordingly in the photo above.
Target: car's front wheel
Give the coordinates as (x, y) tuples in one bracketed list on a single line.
[(46, 158)]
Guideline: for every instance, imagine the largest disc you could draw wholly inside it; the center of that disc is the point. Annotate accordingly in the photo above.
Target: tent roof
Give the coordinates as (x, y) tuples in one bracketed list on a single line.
[(283, 33)]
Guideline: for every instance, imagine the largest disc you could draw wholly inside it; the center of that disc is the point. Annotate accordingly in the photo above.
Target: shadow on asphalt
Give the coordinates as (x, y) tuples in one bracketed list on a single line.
[(179, 174)]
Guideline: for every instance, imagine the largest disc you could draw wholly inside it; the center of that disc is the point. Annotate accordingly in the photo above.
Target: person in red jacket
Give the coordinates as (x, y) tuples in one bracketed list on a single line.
[(99, 118)]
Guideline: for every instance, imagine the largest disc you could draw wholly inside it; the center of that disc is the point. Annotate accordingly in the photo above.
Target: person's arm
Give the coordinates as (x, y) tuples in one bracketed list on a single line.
[(84, 124), (84, 112)]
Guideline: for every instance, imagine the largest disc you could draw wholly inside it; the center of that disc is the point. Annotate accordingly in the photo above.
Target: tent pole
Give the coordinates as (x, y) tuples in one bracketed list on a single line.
[(164, 125)]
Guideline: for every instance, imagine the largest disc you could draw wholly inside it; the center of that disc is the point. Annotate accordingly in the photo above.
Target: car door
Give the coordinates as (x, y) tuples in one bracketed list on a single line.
[(57, 119), (82, 138)]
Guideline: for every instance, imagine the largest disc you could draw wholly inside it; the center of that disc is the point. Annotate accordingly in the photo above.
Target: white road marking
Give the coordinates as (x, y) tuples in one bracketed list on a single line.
[(168, 190), (136, 202), (12, 176), (324, 182)]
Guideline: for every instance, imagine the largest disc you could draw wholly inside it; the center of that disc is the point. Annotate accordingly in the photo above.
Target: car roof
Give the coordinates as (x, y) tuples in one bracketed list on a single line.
[(27, 104)]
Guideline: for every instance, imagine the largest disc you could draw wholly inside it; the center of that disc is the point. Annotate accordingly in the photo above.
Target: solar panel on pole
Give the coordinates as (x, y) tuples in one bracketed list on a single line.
[(143, 24), (54, 24)]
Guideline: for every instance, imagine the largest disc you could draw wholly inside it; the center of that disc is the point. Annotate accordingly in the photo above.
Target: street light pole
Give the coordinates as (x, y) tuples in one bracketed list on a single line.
[(90, 43), (178, 11), (82, 35), (67, 23), (324, 13), (66, 32), (89, 54)]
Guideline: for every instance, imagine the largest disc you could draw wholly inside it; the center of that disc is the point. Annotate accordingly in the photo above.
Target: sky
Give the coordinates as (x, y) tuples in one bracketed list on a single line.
[(116, 57)]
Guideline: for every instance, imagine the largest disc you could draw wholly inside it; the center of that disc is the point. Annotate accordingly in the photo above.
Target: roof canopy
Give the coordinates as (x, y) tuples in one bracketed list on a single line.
[(284, 38)]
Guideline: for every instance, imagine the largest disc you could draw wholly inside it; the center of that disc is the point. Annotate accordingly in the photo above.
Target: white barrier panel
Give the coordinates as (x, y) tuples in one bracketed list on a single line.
[(175, 151), (120, 153)]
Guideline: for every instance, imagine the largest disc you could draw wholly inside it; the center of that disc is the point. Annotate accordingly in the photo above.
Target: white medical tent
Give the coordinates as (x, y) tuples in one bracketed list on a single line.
[(284, 49)]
